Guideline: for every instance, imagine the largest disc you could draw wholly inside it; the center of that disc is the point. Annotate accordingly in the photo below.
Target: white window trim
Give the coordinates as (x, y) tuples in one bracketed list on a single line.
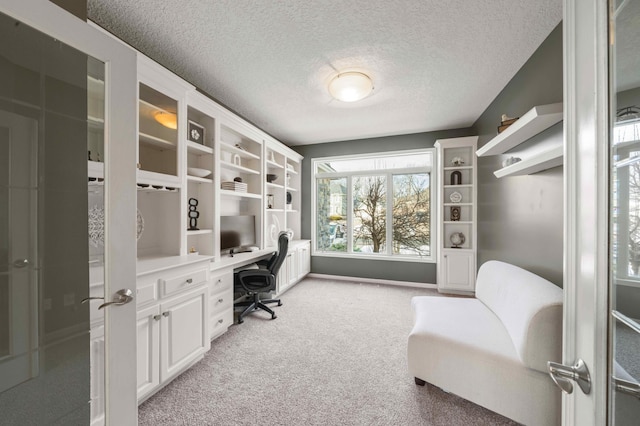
[(433, 185)]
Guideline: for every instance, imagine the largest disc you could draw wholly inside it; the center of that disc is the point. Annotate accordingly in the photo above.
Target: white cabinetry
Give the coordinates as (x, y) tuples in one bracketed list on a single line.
[(220, 302), (457, 198), (296, 265), (173, 330)]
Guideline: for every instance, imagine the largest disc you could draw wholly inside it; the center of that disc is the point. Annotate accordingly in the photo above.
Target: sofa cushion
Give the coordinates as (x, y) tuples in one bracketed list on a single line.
[(530, 308)]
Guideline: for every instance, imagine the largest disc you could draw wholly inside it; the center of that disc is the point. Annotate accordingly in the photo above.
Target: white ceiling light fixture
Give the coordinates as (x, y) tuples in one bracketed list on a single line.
[(351, 86)]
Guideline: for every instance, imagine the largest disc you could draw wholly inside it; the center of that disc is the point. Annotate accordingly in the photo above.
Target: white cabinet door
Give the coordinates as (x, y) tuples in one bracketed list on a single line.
[(184, 331), (458, 271), (304, 261), (148, 352), (291, 263)]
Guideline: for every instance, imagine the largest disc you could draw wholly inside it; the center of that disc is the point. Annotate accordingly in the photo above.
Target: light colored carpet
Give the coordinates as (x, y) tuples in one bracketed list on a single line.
[(336, 355)]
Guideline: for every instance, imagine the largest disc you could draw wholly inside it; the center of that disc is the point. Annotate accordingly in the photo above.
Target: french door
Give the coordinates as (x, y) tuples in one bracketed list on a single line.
[(602, 209), (66, 89)]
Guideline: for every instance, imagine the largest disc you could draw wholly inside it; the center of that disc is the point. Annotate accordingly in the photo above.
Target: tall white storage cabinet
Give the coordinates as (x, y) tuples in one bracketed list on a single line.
[(457, 219)]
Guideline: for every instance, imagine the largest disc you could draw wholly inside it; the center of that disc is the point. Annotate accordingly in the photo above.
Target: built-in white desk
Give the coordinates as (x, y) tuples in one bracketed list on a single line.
[(241, 259)]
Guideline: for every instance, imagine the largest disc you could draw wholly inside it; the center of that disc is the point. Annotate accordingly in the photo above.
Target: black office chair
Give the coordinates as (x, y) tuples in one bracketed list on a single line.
[(262, 280)]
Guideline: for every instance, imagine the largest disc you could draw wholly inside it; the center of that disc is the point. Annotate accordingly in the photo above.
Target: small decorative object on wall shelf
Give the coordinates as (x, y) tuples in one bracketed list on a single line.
[(289, 198), (456, 178), (96, 225), (455, 197), (240, 147), (457, 239), (457, 161), (506, 122), (272, 156), (193, 214), (196, 133), (237, 160), (455, 214), (193, 250), (269, 201), (511, 160), (271, 177)]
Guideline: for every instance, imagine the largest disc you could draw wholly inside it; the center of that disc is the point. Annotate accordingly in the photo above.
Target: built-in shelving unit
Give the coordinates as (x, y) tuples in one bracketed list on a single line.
[(456, 231)]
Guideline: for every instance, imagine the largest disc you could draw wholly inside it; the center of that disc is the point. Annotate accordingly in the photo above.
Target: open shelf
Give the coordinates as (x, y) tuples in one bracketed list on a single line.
[(274, 185), (274, 164), (229, 193), (537, 163), (234, 167), (241, 152), (199, 149), (536, 120), (198, 179), (199, 232)]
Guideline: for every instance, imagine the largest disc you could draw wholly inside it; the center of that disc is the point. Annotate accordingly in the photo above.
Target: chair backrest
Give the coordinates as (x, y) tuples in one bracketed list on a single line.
[(277, 259)]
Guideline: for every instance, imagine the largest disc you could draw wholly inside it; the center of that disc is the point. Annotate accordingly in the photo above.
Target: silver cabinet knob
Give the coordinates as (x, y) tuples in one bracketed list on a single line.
[(166, 314), (189, 280), (157, 317), (220, 321), (220, 300)]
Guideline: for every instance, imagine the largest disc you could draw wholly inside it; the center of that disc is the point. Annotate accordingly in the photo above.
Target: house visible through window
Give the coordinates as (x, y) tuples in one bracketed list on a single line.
[(377, 205)]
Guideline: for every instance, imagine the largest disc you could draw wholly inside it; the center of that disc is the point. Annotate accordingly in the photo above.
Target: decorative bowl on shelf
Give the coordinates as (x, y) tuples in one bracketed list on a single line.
[(194, 171), (271, 177)]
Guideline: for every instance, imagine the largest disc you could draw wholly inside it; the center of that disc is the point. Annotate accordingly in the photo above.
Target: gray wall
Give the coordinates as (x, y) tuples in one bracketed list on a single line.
[(520, 218), (380, 269)]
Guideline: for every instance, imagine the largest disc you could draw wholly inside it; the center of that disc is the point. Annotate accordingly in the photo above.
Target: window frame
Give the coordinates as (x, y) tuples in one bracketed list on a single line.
[(388, 173)]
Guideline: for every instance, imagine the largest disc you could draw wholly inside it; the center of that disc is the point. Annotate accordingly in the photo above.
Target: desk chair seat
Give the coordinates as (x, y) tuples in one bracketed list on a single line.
[(255, 282)]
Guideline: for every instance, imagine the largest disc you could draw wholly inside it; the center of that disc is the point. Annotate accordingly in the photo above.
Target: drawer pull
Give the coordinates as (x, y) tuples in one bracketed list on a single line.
[(189, 280), (157, 317), (166, 314), (220, 300), (220, 321)]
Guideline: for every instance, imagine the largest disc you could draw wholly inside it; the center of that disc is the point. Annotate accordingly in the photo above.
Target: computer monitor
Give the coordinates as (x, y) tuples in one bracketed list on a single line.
[(237, 232)]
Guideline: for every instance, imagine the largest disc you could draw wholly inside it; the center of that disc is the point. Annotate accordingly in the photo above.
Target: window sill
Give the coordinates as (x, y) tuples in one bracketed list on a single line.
[(398, 258)]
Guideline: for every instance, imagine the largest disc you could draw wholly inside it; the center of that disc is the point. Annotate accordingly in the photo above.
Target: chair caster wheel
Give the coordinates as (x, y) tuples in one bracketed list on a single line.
[(240, 321), (273, 316), (279, 303)]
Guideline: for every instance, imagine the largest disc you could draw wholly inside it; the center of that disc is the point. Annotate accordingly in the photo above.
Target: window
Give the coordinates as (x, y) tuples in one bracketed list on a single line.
[(376, 205)]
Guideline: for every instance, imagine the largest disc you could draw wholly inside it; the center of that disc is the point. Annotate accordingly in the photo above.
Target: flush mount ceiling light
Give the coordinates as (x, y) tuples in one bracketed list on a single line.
[(167, 119), (350, 86)]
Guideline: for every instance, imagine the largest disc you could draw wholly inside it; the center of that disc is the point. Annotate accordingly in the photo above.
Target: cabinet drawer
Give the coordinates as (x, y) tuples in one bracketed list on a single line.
[(220, 302), (221, 282), (183, 281), (220, 323)]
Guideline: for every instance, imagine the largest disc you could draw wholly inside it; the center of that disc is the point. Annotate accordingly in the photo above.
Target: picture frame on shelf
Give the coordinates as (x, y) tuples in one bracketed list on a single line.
[(195, 132)]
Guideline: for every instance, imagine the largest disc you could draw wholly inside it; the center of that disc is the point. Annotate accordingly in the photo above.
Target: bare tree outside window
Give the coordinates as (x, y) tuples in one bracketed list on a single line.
[(369, 213)]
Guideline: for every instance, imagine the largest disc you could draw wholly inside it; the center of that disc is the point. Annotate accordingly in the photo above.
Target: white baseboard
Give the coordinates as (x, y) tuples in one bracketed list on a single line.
[(372, 281)]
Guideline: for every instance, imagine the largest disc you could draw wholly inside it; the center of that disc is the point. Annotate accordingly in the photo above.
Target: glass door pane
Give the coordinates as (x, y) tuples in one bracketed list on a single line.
[(50, 117), (624, 364)]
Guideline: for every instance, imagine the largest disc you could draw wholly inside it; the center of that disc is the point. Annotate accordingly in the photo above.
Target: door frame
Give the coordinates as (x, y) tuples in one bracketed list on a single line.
[(120, 189), (586, 186)]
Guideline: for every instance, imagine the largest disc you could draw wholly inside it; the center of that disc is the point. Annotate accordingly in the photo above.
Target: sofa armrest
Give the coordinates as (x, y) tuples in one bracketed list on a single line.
[(530, 308)]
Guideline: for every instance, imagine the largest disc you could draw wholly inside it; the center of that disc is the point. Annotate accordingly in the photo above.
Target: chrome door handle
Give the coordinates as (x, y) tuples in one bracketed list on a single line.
[(86, 299), (625, 386), (122, 297), (21, 263), (563, 374)]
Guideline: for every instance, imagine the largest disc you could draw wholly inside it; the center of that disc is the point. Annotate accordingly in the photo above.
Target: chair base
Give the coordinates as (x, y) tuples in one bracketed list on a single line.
[(256, 304)]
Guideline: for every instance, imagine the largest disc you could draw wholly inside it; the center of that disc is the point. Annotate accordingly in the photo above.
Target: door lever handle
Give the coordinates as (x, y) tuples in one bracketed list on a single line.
[(122, 297), (86, 299), (563, 374)]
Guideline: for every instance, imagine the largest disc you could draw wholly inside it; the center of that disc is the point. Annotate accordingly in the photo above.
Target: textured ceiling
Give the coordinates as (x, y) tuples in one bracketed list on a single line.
[(435, 65)]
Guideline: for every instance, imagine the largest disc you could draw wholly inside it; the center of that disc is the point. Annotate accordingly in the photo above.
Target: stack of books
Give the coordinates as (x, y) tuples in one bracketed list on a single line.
[(504, 124), (234, 186)]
